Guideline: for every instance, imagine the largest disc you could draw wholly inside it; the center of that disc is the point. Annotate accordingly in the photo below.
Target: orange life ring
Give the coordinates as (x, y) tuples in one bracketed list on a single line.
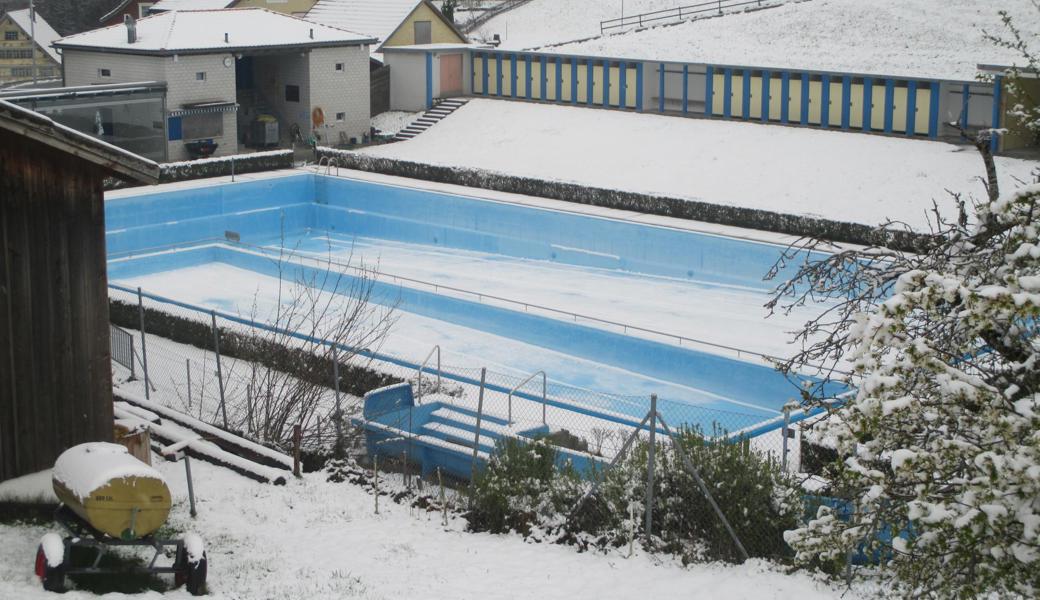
[(317, 117)]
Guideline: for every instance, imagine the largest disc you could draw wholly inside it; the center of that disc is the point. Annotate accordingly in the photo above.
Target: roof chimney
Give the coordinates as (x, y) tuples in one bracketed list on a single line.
[(131, 29), (312, 33), (225, 37)]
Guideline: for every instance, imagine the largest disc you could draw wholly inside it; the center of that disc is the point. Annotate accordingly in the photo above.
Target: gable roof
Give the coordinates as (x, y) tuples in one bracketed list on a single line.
[(33, 125), (205, 31), (45, 34), (380, 18)]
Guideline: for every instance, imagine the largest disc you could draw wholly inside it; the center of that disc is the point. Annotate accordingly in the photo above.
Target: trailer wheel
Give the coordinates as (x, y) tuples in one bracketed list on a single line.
[(53, 578), (191, 576), (196, 580)]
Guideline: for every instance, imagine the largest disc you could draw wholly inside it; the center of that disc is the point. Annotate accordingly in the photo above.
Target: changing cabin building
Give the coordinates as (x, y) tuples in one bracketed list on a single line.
[(55, 358), (20, 58), (243, 75)]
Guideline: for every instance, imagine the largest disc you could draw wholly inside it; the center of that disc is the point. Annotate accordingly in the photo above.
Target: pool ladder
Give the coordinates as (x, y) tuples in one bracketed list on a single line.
[(329, 162)]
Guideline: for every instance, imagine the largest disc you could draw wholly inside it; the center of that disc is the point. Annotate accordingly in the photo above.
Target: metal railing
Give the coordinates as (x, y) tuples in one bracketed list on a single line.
[(122, 343), (675, 14), (522, 384), (422, 366)]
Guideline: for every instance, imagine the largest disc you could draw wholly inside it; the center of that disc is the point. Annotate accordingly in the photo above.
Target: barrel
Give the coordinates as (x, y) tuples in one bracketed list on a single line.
[(112, 491)]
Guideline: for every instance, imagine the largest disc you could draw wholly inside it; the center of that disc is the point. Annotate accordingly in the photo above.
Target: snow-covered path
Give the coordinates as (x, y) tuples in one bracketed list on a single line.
[(831, 174), (311, 540)]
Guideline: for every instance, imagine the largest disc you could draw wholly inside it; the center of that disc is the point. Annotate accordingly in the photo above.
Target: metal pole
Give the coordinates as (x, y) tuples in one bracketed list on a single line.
[(144, 346), (544, 396), (649, 497), (703, 487), (133, 366), (187, 365), (335, 386), (32, 35), (786, 432), (220, 374), (191, 486), (476, 434)]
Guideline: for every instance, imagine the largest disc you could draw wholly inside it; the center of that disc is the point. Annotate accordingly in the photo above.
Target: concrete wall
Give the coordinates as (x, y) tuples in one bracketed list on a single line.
[(407, 80), (440, 32), (184, 88), (343, 91)]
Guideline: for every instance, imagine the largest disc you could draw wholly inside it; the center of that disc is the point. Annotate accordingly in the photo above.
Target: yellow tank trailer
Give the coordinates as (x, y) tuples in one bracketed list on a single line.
[(111, 490)]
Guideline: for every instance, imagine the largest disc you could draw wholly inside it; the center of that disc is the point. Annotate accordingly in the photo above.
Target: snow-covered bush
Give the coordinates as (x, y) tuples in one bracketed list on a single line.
[(942, 438), (522, 488), (758, 499)]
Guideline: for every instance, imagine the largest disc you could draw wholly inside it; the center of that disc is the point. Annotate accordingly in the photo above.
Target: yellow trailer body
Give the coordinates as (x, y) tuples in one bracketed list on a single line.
[(111, 490)]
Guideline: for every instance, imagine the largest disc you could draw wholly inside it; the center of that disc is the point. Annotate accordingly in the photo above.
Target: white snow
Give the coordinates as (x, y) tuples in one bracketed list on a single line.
[(53, 549), (312, 539), (87, 467), (34, 487), (831, 174), (941, 39), (173, 31), (194, 547)]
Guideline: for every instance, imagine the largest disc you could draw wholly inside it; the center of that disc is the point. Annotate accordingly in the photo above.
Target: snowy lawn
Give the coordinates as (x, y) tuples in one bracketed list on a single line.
[(923, 38), (830, 174), (312, 539)]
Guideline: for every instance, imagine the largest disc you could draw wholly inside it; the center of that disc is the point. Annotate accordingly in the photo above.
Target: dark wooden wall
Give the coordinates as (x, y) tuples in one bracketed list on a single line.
[(55, 370), (380, 90)]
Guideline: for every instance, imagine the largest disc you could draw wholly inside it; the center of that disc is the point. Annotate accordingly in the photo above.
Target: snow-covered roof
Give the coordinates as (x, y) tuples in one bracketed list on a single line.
[(45, 34), (164, 5), (379, 18), (202, 31)]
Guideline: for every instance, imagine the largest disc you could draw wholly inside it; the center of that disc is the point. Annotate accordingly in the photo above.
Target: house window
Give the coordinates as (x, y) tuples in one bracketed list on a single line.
[(11, 36), (292, 93), (104, 72), (202, 126), (200, 76), (341, 116), (339, 66), (21, 72), (423, 32)]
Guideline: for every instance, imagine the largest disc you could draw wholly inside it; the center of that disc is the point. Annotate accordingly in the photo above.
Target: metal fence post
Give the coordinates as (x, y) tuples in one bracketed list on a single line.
[(133, 368), (786, 431), (335, 386), (187, 366), (476, 434), (649, 499), (144, 347), (220, 374), (191, 485)]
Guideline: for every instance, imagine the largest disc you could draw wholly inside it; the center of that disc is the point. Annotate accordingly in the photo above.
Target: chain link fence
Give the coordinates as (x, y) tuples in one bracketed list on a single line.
[(719, 484)]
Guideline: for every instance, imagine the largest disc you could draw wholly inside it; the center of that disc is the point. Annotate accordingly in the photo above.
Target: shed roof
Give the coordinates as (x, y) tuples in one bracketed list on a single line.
[(44, 33), (205, 31), (379, 18), (117, 161)]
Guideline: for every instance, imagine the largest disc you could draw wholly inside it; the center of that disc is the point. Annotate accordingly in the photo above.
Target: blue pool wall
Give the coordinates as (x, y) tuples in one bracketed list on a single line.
[(260, 210)]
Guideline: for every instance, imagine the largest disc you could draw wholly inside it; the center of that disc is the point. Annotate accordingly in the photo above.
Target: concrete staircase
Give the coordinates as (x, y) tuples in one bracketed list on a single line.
[(430, 118)]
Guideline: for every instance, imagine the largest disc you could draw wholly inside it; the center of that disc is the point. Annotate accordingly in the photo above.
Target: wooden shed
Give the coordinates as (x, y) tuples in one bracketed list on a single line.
[(55, 369)]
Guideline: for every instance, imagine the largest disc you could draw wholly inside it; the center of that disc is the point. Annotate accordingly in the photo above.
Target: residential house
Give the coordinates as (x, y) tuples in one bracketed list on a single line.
[(289, 7), (20, 58), (226, 71), (395, 23), (134, 8)]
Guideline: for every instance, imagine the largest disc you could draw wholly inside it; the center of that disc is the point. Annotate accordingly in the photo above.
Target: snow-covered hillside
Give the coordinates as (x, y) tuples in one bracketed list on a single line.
[(831, 174), (923, 38), (542, 22)]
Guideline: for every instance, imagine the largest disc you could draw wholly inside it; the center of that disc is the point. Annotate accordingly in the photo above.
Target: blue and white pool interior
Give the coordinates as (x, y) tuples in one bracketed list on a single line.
[(172, 241)]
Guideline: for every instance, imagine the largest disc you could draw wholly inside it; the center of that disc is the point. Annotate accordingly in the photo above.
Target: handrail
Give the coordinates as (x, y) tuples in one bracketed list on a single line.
[(522, 384), (676, 13), (436, 349)]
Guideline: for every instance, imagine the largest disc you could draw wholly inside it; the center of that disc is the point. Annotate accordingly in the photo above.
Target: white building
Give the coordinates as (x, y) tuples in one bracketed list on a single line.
[(224, 68)]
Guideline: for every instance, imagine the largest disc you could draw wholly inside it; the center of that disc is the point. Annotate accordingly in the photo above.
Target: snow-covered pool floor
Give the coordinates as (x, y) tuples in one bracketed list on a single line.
[(312, 539)]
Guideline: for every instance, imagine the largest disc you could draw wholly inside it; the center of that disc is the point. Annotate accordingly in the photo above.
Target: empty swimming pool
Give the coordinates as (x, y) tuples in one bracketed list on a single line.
[(596, 299)]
